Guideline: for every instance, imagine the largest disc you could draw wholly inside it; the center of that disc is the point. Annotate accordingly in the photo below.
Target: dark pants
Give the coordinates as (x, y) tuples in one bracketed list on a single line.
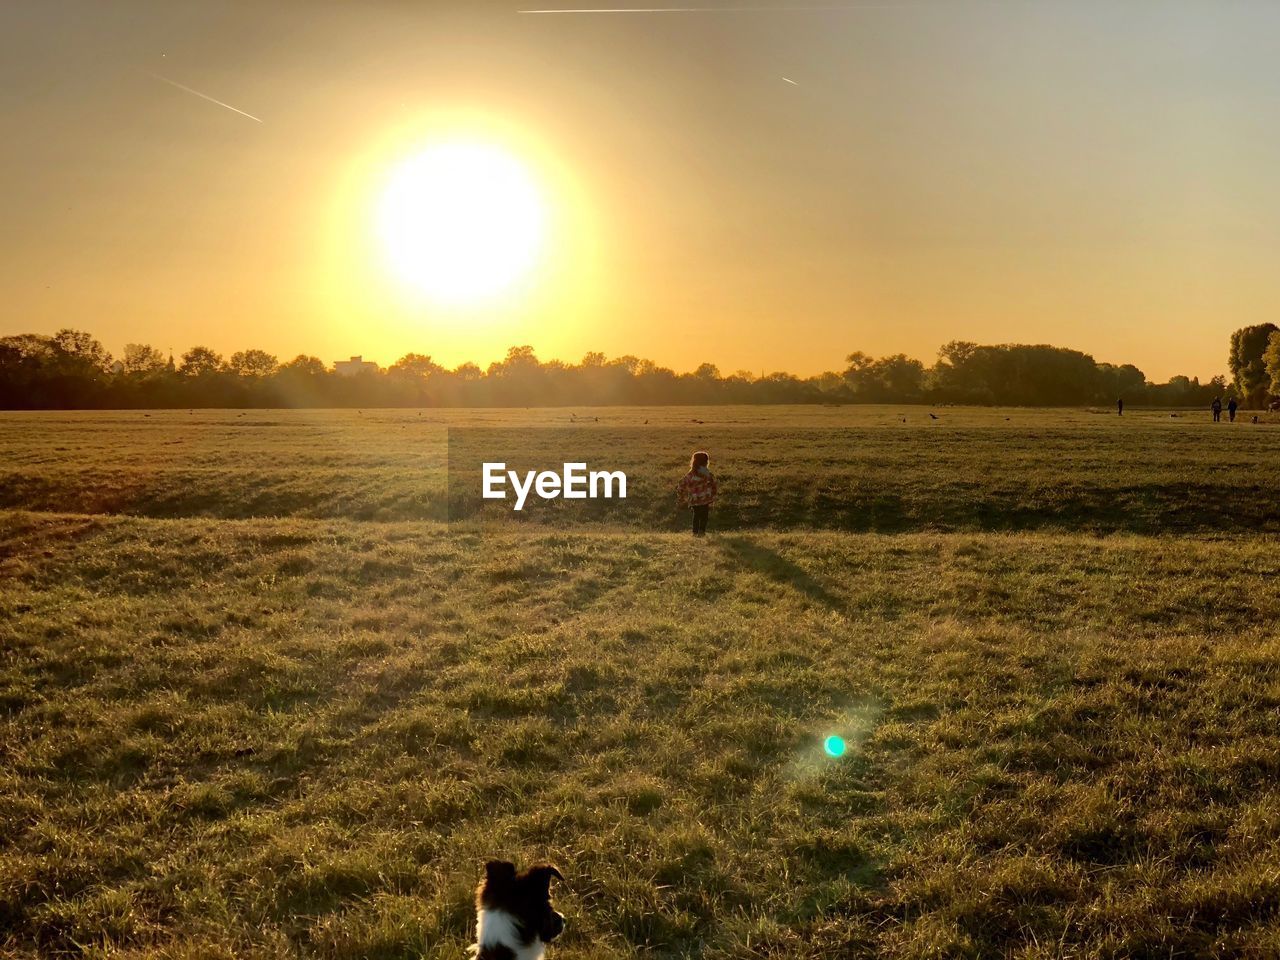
[(1231, 414), (1217, 415), (700, 519)]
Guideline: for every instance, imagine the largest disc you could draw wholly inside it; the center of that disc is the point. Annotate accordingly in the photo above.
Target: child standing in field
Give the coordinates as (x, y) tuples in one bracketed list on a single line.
[(698, 490)]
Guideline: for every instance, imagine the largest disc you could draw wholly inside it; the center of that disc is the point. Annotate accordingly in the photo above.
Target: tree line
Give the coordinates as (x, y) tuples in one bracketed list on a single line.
[(72, 369)]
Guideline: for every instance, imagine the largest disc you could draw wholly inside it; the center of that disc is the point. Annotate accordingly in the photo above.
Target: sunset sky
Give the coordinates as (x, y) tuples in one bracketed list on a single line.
[(766, 186)]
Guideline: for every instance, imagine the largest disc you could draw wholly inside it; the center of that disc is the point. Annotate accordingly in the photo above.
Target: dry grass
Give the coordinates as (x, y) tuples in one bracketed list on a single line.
[(297, 736), (843, 468)]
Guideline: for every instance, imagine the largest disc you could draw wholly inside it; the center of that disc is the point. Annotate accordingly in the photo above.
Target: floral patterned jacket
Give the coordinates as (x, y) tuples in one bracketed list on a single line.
[(697, 489)]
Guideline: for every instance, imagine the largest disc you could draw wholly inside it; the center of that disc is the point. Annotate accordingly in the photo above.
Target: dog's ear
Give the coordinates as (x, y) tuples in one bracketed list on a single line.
[(499, 871), (542, 874)]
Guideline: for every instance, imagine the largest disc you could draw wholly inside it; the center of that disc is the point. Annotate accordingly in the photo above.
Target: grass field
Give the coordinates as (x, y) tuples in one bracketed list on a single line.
[(258, 701), (844, 468)]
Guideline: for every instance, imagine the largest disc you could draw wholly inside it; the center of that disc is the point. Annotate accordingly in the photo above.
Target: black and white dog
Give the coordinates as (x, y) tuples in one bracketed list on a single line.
[(514, 916)]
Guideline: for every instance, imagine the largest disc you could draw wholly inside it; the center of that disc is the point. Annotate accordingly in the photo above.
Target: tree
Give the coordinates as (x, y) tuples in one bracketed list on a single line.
[(304, 366), (200, 362), (253, 364), (1245, 361), (31, 347), (855, 374), (520, 357), (889, 379), (415, 365), (958, 374), (141, 359), (82, 353), (1015, 373), (59, 372), (26, 366), (901, 378), (858, 361), (302, 382), (957, 352), (412, 380), (1271, 360), (66, 371), (1118, 382)]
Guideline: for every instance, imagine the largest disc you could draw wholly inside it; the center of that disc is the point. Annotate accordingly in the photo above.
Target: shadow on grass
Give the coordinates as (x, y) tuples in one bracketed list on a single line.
[(779, 569), (26, 537)]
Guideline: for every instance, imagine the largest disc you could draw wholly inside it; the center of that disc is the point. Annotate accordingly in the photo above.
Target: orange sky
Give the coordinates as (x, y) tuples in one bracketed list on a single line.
[(1076, 174)]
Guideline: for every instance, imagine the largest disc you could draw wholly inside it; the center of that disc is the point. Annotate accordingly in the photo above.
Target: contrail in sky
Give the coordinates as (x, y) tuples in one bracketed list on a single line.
[(740, 9), (790, 81), (203, 96)]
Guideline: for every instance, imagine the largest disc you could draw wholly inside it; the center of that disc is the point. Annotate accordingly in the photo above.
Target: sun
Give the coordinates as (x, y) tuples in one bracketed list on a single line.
[(461, 221)]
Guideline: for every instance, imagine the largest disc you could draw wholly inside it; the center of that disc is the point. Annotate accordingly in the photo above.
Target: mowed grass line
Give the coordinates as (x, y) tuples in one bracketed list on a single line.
[(859, 469), (274, 738)]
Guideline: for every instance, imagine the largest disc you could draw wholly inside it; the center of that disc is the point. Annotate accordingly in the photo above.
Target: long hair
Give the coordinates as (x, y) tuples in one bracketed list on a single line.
[(700, 459)]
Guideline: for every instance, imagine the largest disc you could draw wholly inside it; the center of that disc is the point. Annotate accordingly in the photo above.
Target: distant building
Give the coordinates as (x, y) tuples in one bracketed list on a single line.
[(349, 368)]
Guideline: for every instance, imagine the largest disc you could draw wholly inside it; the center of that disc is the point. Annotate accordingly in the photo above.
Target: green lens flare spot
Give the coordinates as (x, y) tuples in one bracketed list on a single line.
[(834, 746)]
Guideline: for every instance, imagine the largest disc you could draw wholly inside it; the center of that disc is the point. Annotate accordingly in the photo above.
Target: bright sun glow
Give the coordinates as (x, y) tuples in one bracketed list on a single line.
[(461, 221)]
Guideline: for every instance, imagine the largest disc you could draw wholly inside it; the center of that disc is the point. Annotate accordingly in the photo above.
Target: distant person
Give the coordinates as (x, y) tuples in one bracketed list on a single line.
[(1232, 406), (1120, 407), (698, 490), (1217, 409)]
